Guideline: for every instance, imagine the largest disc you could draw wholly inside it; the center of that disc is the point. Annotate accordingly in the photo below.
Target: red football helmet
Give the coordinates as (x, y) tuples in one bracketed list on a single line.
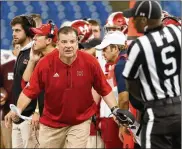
[(165, 14), (84, 30), (116, 21), (171, 20)]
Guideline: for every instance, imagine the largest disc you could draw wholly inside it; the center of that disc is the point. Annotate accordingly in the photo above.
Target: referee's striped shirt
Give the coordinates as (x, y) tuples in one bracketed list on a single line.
[(155, 59)]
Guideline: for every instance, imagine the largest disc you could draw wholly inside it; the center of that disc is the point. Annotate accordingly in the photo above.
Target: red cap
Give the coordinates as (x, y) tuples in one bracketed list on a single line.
[(45, 30)]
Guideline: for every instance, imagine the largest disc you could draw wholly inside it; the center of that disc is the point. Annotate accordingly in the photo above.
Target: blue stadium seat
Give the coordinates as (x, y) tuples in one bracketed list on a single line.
[(36, 6), (5, 9), (21, 7), (68, 10), (101, 11), (52, 5), (58, 11), (84, 9), (173, 7)]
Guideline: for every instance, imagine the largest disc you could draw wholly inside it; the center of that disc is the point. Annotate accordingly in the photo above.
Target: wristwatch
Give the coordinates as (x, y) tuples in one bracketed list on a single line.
[(37, 111)]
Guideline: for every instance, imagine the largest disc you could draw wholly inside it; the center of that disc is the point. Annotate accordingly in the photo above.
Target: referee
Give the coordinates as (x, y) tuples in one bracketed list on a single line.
[(152, 73)]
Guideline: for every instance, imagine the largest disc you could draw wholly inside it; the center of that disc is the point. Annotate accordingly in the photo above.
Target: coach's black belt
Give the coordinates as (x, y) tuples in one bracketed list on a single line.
[(163, 102)]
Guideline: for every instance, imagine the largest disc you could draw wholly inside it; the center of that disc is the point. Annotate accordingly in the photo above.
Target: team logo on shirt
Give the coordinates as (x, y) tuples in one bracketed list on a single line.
[(25, 61), (80, 73), (6, 56), (56, 75), (10, 76)]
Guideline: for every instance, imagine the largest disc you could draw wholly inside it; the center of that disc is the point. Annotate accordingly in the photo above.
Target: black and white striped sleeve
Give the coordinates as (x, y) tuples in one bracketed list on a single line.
[(133, 63), (177, 31)]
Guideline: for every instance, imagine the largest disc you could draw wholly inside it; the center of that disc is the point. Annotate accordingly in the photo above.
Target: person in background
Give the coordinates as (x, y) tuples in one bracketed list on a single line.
[(125, 100), (112, 45), (21, 130), (44, 43), (84, 30), (8, 55), (96, 28), (116, 22), (37, 18), (6, 81), (6, 78)]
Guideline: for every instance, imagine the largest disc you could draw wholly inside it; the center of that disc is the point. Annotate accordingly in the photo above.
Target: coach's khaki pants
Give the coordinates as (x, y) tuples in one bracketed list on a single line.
[(5, 134), (67, 137), (95, 142), (23, 136)]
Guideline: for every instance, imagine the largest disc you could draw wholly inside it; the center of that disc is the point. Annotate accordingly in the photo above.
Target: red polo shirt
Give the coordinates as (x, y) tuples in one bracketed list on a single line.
[(68, 97)]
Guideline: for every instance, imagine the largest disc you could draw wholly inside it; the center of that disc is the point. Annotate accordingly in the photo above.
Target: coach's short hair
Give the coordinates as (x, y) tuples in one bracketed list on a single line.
[(66, 30), (93, 22)]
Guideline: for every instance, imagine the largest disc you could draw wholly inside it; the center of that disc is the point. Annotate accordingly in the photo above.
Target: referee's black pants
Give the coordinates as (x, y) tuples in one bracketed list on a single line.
[(161, 126)]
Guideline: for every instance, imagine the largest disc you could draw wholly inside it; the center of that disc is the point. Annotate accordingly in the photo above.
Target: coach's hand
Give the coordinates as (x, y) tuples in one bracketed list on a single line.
[(35, 121)]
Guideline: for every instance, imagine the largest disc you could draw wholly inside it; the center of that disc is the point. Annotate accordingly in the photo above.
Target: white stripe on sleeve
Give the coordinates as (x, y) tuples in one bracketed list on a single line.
[(131, 60)]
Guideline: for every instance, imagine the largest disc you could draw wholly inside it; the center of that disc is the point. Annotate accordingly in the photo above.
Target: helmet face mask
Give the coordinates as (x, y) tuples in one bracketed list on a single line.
[(80, 38), (116, 21), (112, 28), (117, 28)]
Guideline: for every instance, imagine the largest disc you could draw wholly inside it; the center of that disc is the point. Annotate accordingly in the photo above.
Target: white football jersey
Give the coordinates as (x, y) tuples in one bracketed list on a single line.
[(101, 60)]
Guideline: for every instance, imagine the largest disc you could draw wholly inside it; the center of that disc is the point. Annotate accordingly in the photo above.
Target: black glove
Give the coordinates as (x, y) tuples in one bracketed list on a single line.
[(123, 116)]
